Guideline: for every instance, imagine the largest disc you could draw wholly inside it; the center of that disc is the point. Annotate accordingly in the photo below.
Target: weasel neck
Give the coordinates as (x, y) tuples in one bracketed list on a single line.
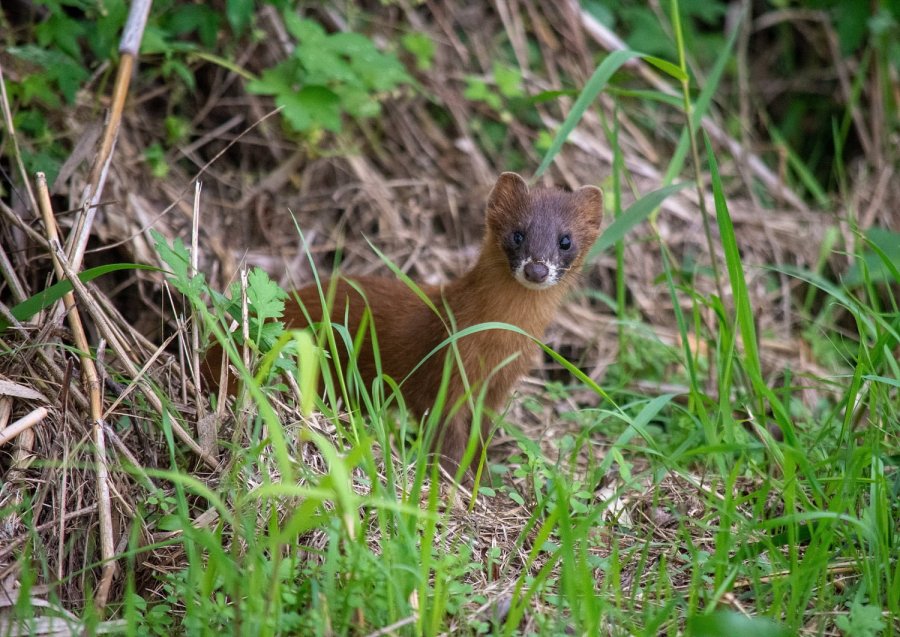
[(489, 292)]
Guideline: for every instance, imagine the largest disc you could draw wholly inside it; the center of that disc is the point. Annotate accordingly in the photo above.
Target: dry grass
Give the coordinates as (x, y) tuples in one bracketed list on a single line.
[(414, 183)]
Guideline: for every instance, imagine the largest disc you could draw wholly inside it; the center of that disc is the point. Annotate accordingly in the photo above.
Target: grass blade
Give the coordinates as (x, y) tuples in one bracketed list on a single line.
[(635, 214), (45, 298), (593, 87), (742, 308)]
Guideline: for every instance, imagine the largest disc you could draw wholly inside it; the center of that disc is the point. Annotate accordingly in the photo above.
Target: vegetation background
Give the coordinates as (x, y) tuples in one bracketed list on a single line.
[(709, 447)]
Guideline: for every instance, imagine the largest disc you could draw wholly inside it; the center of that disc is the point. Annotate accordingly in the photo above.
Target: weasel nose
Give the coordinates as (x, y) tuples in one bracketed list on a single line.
[(536, 272)]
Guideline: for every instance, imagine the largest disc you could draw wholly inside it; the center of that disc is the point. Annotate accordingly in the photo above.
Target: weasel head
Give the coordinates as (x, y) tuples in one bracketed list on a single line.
[(543, 233)]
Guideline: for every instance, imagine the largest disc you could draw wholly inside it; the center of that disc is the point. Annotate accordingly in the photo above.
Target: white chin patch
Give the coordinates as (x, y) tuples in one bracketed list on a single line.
[(549, 281)]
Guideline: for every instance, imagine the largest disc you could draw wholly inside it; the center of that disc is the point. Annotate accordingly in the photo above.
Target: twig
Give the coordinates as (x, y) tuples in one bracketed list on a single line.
[(397, 625), (13, 544), (22, 424), (6, 266), (136, 467), (63, 505), (66, 270), (12, 218), (129, 47), (11, 131), (91, 381), (52, 370), (137, 378), (11, 278), (129, 365), (207, 442)]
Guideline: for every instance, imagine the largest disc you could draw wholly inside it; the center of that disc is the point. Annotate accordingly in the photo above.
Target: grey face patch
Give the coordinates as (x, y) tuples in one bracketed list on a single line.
[(543, 245)]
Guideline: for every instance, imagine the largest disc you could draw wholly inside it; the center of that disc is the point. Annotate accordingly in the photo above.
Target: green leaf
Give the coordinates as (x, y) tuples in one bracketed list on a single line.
[(323, 65), (637, 426), (265, 295), (549, 96), (509, 80), (881, 258), (44, 299), (154, 41), (357, 101), (327, 76), (674, 101), (177, 129), (173, 66), (199, 18), (305, 31), (353, 45), (265, 304), (893, 382), (37, 88), (850, 20), (477, 90), (701, 106), (806, 176), (422, 48), (274, 81), (60, 69), (307, 369), (864, 621), (635, 214), (170, 522), (60, 30), (239, 13), (312, 107), (610, 65), (155, 156), (734, 624), (178, 258), (47, 161), (667, 67), (742, 307)]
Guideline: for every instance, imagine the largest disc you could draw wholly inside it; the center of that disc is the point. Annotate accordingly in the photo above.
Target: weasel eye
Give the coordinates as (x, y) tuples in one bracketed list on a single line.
[(518, 238), (565, 242)]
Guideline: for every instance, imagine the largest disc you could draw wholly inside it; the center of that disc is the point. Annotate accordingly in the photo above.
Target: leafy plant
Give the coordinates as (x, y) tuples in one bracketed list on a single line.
[(507, 85), (265, 300), (422, 48), (327, 76), (735, 624), (863, 621)]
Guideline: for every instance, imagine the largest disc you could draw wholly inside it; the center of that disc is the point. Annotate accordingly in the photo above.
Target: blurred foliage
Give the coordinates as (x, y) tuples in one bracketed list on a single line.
[(327, 76), (55, 52), (798, 105), (857, 24)]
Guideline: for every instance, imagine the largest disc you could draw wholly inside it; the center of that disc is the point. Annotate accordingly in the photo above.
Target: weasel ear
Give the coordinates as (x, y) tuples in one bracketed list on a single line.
[(508, 193), (590, 199)]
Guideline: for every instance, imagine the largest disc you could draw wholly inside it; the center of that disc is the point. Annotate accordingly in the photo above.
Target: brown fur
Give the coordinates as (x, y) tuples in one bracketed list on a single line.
[(407, 330)]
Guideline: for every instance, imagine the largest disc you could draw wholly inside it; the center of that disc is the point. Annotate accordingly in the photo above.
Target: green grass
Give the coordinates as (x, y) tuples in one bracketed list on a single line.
[(730, 507), (692, 516)]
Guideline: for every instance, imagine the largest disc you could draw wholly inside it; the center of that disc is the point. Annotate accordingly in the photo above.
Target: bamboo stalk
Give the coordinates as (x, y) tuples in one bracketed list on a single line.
[(91, 382), (22, 424), (129, 47)]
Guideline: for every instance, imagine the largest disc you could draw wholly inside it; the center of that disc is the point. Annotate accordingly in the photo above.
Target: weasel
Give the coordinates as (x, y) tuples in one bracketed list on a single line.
[(534, 243)]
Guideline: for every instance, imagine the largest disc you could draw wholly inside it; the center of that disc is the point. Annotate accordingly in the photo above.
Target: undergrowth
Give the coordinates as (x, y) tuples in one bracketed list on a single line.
[(787, 500), (725, 503)]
